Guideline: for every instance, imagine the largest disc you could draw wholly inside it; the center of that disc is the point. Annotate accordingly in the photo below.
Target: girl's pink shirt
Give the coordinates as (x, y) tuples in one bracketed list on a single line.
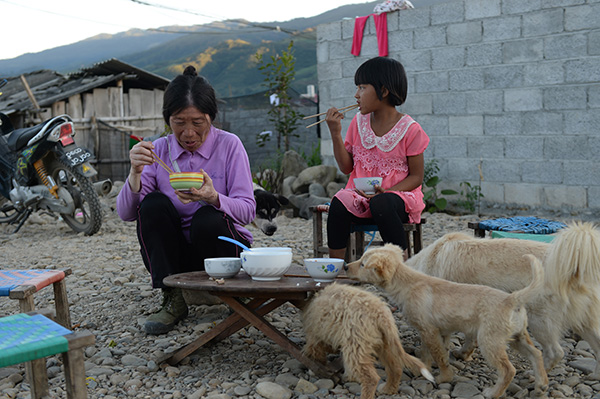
[(223, 158), (385, 157)]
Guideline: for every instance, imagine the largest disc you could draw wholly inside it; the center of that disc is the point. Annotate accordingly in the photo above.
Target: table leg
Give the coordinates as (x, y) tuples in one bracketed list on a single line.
[(224, 329), (270, 331)]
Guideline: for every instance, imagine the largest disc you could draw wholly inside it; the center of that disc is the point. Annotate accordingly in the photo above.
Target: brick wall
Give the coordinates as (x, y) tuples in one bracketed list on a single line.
[(512, 85)]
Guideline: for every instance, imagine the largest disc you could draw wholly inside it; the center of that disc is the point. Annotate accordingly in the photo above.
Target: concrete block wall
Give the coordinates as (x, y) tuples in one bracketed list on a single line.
[(511, 86), (247, 123)]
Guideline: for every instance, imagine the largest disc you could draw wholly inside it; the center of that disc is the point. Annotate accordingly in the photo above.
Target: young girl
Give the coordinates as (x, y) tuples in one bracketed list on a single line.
[(380, 142)]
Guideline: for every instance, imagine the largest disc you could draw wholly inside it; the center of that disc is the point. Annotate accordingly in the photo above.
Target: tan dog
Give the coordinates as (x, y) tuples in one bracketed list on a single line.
[(361, 325), (571, 298), (437, 308)]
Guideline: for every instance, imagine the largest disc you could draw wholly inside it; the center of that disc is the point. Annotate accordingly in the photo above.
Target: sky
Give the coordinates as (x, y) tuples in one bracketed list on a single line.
[(30, 26)]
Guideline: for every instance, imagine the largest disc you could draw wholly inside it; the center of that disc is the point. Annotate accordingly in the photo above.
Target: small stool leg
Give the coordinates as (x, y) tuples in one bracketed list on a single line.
[(37, 377), (63, 316), (74, 365), (418, 238), (317, 232), (26, 304)]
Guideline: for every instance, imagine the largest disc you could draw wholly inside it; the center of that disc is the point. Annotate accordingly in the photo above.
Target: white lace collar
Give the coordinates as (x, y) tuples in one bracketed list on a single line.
[(388, 141)]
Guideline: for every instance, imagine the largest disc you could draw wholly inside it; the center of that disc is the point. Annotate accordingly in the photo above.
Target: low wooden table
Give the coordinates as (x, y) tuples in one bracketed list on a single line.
[(265, 296)]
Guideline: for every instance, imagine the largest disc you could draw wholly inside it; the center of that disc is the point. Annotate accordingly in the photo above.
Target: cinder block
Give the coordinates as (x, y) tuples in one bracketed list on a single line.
[(542, 172), (501, 28), (594, 43), (322, 53), (415, 18), (348, 28), (558, 196), (569, 97), (448, 58), (433, 125), (508, 124), (520, 7), (463, 170), (523, 100), (466, 125), (525, 147), (544, 73), (528, 50), (329, 31), (418, 104), (583, 173), (450, 103), (582, 71), (431, 36), (566, 147), (416, 61), (465, 33), (594, 198), (524, 194), (446, 13), (328, 71), (542, 23), (493, 193), (430, 82), (565, 46), (502, 170), (485, 147), (400, 41), (450, 147), (484, 54), (582, 122), (582, 17), (476, 9), (594, 96), (503, 76), (466, 79), (542, 123), (485, 102)]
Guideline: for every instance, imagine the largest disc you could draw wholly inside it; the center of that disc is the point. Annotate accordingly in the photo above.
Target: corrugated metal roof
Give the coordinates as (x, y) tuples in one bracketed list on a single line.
[(49, 87)]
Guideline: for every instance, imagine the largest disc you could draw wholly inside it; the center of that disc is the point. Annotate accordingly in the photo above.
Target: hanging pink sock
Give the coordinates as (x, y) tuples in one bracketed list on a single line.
[(359, 28), (380, 29), (382, 34)]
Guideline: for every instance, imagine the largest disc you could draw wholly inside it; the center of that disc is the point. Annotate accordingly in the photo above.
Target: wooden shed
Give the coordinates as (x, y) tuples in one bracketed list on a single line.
[(108, 102)]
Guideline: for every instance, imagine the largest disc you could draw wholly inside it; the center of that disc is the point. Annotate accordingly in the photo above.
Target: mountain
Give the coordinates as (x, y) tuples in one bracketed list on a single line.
[(222, 51)]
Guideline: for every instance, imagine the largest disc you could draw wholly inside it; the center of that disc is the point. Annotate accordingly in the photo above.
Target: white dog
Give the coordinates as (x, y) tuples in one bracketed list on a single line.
[(438, 308), (571, 298)]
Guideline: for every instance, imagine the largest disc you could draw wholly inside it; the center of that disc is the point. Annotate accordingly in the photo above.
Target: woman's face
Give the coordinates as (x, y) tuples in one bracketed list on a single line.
[(190, 127)]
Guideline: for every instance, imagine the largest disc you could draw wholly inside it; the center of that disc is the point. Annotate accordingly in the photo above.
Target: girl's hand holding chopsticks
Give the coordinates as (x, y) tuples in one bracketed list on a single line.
[(340, 110)]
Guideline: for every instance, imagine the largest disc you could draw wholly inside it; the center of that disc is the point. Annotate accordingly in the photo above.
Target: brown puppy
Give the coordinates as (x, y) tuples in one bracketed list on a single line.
[(361, 325), (438, 308), (571, 293)]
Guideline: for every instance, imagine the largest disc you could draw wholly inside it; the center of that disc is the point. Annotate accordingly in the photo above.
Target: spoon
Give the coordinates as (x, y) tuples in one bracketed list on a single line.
[(235, 242)]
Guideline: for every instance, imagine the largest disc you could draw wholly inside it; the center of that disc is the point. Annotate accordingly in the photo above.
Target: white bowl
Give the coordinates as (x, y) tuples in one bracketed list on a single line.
[(367, 184), (271, 249), (323, 270), (266, 265), (222, 267)]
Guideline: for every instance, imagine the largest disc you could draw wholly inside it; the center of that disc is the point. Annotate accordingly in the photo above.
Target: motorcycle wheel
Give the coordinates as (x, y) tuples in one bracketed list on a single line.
[(87, 216), (8, 213)]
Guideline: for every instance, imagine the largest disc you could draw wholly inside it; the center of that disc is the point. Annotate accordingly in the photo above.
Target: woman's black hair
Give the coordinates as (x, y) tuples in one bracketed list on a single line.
[(189, 89), (382, 72)]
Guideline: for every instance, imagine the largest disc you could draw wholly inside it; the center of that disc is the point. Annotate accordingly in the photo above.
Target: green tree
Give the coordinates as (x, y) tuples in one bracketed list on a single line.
[(279, 73)]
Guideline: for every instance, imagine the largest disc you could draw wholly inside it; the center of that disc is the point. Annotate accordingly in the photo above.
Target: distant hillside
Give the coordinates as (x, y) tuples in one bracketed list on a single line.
[(221, 51)]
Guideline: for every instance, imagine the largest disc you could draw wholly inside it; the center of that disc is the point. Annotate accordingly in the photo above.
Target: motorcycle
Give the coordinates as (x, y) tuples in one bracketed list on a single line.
[(41, 168)]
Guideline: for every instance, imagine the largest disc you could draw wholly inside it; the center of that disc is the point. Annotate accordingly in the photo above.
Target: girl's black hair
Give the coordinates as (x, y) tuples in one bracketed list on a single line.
[(382, 72), (189, 89)]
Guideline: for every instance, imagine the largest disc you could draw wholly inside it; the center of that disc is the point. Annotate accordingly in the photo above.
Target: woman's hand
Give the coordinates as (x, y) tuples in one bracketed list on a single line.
[(206, 193), (140, 155)]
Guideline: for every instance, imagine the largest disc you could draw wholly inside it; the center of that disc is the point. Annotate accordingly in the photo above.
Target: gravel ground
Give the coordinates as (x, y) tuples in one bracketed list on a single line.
[(110, 295)]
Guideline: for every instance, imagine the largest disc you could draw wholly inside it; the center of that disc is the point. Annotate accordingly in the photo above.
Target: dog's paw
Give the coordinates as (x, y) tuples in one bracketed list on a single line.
[(388, 390)]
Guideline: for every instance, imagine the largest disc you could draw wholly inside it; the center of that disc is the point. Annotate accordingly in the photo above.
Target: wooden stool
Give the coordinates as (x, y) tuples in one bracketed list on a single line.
[(22, 284), (516, 224), (31, 337), (356, 242)]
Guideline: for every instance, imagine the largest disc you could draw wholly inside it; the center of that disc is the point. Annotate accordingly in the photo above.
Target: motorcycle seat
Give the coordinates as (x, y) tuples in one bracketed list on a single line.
[(20, 137)]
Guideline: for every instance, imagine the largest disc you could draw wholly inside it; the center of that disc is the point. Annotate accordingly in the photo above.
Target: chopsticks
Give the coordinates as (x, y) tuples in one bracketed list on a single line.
[(342, 110), (156, 158)]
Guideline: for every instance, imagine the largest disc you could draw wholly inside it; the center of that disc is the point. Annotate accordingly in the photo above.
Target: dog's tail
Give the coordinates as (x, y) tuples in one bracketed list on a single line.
[(535, 288), (396, 352), (573, 259)]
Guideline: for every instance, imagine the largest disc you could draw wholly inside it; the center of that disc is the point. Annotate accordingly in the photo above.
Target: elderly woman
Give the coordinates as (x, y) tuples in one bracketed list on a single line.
[(176, 229)]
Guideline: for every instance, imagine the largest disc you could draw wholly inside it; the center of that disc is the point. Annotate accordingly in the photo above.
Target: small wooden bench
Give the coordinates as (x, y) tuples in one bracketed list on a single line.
[(31, 337), (356, 242), (22, 284)]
